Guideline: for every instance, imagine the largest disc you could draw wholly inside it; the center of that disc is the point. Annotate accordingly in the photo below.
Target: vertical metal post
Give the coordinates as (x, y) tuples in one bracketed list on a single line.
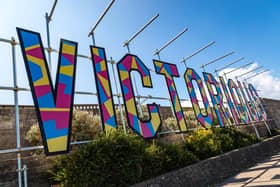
[(184, 61), (128, 49), (255, 105), (119, 101), (138, 97), (249, 116), (158, 56), (171, 106), (225, 75), (48, 40), (16, 111), (25, 175), (93, 39)]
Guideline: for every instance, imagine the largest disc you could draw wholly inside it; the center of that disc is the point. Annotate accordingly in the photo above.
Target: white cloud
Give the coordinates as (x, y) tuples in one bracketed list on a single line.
[(268, 85)]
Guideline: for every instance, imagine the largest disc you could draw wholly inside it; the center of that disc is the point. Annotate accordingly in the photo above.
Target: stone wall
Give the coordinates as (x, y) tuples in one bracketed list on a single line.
[(214, 170), (8, 164)]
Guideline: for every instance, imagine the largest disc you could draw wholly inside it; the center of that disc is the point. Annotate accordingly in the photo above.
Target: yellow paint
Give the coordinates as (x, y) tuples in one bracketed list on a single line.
[(57, 144), (44, 80), (131, 106), (155, 120), (124, 75), (67, 70), (133, 63), (105, 84), (95, 51), (32, 47), (109, 128), (182, 125), (108, 104), (35, 60), (68, 49), (55, 109), (147, 81), (102, 65)]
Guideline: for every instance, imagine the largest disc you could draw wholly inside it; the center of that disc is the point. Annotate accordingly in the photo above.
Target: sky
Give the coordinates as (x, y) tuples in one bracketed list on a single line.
[(250, 28)]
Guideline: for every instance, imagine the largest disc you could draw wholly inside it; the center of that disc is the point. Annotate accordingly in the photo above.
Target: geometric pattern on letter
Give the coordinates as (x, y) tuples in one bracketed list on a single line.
[(169, 71), (145, 128), (250, 108), (231, 105), (217, 99), (103, 87), (257, 99), (54, 107), (207, 119), (242, 113)]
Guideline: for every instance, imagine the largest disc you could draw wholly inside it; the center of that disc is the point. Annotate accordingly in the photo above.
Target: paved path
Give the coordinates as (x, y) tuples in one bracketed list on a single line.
[(264, 174)]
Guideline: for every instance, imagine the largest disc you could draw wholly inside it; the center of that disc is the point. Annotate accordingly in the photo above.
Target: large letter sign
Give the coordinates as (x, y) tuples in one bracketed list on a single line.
[(54, 107), (149, 128), (256, 97), (217, 99), (252, 113), (169, 71), (229, 101), (205, 120), (103, 87), (232, 86)]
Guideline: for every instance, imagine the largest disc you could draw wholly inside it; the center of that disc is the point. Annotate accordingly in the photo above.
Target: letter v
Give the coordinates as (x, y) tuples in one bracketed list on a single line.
[(53, 107)]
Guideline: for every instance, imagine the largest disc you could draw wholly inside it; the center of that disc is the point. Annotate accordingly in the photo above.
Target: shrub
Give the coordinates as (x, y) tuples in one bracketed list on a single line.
[(209, 142), (203, 143), (117, 160), (84, 127)]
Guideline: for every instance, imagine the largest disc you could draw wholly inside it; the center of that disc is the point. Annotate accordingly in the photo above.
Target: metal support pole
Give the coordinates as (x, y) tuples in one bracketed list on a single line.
[(140, 30), (25, 175), (138, 98), (216, 59), (128, 49), (261, 72), (100, 18), (170, 41), (93, 39), (171, 106), (243, 66), (249, 71), (126, 44), (255, 105), (48, 41), (225, 75), (119, 95), (228, 65), (196, 52), (16, 112), (249, 116), (158, 56)]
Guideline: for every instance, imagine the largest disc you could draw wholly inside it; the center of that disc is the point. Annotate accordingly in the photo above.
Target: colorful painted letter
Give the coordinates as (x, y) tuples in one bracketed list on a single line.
[(229, 101), (217, 99), (257, 99), (103, 87), (148, 128), (54, 107), (250, 108), (169, 71), (242, 114), (205, 120)]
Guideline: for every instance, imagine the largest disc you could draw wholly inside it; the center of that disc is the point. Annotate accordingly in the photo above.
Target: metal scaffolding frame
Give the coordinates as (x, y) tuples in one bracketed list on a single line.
[(15, 89)]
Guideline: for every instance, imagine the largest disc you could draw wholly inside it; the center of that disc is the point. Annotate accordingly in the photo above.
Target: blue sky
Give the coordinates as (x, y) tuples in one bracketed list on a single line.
[(249, 27)]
